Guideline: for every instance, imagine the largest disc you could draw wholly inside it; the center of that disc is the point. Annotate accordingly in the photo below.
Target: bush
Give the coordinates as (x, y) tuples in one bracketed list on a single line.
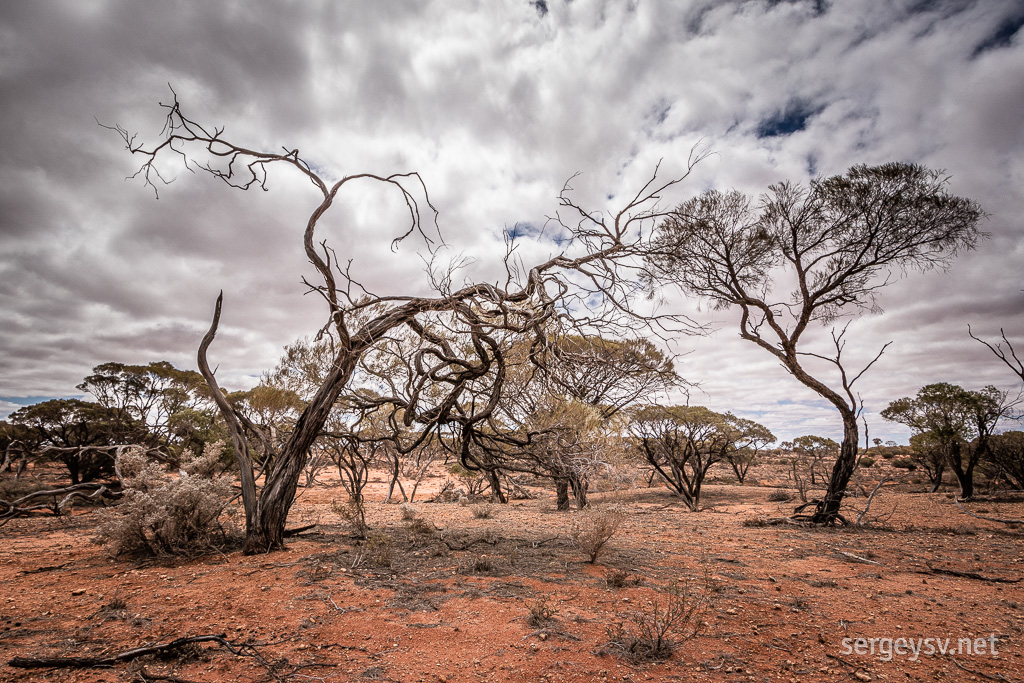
[(593, 529), (867, 461), (483, 511), (779, 496), (164, 515), (654, 631), (905, 464), (541, 614)]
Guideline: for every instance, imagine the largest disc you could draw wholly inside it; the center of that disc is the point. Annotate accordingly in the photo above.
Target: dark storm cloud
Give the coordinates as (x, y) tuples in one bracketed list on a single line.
[(496, 104)]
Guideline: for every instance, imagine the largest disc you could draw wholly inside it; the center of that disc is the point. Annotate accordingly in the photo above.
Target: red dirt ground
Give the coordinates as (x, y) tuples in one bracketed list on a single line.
[(404, 606)]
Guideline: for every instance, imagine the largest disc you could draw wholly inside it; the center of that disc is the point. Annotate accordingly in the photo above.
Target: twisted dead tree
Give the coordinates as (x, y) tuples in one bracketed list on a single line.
[(601, 254)]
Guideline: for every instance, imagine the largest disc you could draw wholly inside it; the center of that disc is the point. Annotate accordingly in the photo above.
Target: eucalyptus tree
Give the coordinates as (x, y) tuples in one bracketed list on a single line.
[(840, 239), (598, 263), (682, 443), (75, 432), (959, 422), (746, 439)]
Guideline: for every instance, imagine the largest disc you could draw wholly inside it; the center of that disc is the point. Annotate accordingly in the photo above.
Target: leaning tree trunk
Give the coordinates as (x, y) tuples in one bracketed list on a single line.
[(497, 495), (828, 509), (265, 529)]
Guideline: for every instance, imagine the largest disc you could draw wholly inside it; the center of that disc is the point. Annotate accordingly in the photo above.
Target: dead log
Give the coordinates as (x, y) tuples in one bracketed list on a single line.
[(127, 656), (1010, 522), (968, 575)]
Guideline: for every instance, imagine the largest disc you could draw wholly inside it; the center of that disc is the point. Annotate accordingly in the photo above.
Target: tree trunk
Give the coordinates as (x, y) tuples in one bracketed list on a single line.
[(828, 509), (579, 487), (966, 481), (265, 527), (497, 495), (562, 494)]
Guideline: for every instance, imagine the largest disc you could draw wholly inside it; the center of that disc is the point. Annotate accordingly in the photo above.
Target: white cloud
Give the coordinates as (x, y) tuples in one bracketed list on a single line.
[(496, 105)]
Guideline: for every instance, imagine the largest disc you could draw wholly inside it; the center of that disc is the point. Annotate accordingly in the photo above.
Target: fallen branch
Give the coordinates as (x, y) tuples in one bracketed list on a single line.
[(996, 677), (127, 656), (146, 677), (968, 575), (990, 519), (871, 498), (16, 508), (853, 666), (856, 558), (298, 530)]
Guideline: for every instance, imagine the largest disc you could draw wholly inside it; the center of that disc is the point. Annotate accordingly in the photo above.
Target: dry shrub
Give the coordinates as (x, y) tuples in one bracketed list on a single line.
[(483, 511), (380, 550), (353, 512), (419, 527), (617, 578), (654, 631), (779, 496), (593, 528), (541, 614), (160, 514)]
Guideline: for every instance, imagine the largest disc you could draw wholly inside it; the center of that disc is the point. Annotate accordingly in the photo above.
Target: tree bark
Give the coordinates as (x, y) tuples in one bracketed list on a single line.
[(579, 487), (828, 509), (562, 494), (497, 495)]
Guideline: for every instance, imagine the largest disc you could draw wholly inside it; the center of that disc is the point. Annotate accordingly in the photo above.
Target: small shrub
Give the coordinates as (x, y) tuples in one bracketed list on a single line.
[(867, 461), (483, 511), (420, 527), (353, 512), (620, 579), (755, 521), (480, 565), (779, 496), (592, 529), (164, 515), (905, 464), (115, 608), (653, 632), (541, 614), (379, 550)]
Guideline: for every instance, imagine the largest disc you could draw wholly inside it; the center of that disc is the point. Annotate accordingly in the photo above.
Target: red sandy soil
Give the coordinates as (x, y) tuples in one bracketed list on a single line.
[(405, 606)]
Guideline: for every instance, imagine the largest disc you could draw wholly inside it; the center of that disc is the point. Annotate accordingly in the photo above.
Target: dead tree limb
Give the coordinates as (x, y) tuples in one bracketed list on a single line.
[(990, 519), (871, 497), (18, 508), (127, 656), (991, 677), (968, 575), (857, 558)]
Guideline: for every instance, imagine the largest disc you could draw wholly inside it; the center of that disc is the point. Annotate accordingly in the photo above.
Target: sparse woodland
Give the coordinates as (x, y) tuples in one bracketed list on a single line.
[(525, 453)]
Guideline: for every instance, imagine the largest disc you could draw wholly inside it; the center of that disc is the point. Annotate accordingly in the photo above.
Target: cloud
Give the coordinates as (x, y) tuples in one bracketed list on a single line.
[(496, 106)]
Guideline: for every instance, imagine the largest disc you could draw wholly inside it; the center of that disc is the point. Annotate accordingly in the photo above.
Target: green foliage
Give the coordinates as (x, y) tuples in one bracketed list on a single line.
[(145, 399), (683, 442), (72, 428), (1006, 453)]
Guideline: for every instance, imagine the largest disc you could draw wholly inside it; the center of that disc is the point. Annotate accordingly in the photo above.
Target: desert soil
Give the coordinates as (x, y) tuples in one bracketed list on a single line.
[(450, 600)]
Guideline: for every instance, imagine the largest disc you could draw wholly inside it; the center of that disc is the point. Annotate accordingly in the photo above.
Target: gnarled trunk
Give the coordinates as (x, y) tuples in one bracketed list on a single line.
[(562, 494), (828, 509)]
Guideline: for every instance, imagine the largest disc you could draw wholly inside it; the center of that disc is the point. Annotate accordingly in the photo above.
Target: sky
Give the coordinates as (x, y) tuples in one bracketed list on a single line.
[(496, 104)]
